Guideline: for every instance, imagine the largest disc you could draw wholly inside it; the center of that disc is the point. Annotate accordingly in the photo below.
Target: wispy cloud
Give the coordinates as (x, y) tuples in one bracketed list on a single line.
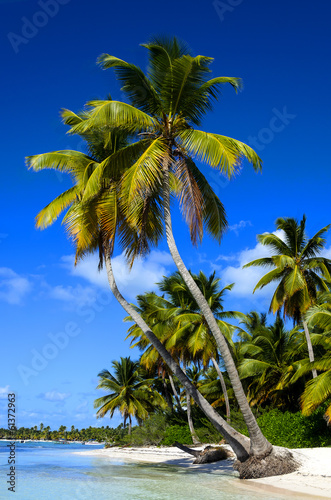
[(246, 279), (240, 225), (73, 296), (13, 287), (54, 396), (4, 391)]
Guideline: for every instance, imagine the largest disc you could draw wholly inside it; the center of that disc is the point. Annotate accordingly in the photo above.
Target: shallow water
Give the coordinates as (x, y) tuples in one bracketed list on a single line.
[(51, 471)]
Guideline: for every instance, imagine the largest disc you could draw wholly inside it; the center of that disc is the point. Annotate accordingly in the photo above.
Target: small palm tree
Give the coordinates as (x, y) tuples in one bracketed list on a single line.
[(298, 268), (192, 328), (130, 393)]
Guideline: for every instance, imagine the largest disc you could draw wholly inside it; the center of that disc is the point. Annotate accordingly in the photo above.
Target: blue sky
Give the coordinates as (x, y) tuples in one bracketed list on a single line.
[(60, 325)]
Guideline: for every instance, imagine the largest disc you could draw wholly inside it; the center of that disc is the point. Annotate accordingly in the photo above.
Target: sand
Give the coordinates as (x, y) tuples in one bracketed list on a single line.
[(311, 480)]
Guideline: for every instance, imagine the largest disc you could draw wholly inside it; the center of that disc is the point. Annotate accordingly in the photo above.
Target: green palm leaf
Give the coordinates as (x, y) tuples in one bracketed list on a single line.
[(218, 151), (316, 392), (51, 212), (114, 114)]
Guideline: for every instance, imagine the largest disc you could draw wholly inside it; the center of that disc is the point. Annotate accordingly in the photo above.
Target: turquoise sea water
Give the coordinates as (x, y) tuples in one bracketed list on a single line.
[(51, 471)]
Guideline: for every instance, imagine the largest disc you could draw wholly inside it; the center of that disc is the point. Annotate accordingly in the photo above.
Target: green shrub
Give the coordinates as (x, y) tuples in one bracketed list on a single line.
[(293, 430), (150, 433), (180, 433)]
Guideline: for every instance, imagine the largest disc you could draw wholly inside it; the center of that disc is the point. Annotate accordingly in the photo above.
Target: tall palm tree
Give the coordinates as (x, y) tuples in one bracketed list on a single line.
[(130, 393), (93, 222), (176, 95), (298, 268)]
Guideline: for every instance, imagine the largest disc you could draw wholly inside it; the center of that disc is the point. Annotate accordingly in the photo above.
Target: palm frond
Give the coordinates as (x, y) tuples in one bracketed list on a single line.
[(218, 151), (115, 114)]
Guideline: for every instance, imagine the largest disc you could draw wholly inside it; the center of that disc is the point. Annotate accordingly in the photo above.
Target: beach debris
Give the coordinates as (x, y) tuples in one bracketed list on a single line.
[(208, 455)]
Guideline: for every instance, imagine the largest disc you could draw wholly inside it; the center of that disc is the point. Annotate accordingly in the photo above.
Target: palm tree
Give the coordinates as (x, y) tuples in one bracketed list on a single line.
[(92, 223), (177, 94), (270, 359), (178, 321), (212, 388), (160, 313), (130, 393), (298, 268), (193, 329), (157, 311)]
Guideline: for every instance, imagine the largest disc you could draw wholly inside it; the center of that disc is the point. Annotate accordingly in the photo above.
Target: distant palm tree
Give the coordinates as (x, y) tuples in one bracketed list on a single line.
[(269, 360), (192, 328), (298, 268), (130, 393)]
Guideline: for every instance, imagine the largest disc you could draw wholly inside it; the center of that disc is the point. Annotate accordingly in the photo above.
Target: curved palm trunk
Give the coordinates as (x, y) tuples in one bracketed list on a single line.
[(239, 443), (260, 446), (174, 391), (195, 438), (130, 425), (167, 395), (225, 392), (310, 347)]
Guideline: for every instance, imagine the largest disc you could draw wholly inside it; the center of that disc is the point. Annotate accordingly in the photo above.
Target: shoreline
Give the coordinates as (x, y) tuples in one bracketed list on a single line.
[(88, 443), (311, 480)]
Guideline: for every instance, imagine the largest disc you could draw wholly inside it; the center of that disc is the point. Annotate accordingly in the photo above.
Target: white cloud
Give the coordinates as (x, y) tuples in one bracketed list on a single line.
[(326, 253), (13, 287), (73, 296), (246, 279), (142, 277), (4, 391), (55, 396), (240, 225)]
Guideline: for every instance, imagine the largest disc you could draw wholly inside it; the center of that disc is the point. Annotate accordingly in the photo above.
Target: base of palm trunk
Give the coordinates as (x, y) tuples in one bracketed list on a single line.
[(280, 461)]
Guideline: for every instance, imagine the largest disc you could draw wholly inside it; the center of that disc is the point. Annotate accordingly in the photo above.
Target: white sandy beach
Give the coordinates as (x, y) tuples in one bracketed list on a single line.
[(312, 479)]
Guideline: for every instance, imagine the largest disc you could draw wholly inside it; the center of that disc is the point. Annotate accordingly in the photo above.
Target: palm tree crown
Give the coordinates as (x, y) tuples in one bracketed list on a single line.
[(130, 393), (165, 105), (298, 267)]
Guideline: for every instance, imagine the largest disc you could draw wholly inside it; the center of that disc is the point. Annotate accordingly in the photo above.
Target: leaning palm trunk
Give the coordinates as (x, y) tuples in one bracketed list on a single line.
[(310, 347), (260, 446), (239, 443), (195, 438), (225, 392), (177, 398)]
